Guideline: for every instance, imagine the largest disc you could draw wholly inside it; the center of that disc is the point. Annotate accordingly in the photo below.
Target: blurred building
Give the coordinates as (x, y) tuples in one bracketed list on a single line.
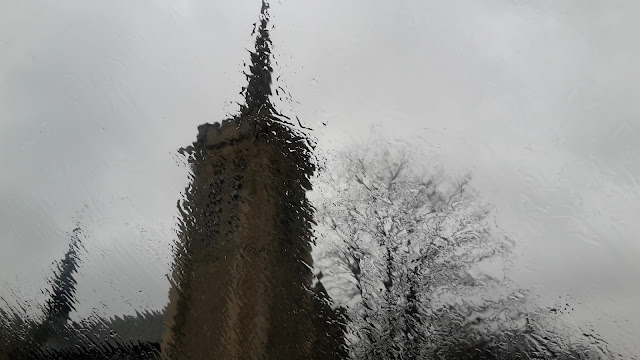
[(242, 276), (243, 287)]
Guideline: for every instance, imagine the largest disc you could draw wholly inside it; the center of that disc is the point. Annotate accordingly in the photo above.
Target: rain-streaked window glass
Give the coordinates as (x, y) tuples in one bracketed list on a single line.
[(190, 179)]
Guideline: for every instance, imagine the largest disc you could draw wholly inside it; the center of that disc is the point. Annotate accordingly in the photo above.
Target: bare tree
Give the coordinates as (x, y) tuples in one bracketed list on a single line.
[(400, 246)]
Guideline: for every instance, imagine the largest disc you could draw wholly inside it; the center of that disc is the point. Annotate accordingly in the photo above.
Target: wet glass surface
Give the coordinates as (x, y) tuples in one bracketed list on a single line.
[(326, 180)]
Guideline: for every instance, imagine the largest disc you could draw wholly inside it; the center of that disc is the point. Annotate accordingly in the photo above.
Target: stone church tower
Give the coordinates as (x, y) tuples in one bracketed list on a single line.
[(243, 285)]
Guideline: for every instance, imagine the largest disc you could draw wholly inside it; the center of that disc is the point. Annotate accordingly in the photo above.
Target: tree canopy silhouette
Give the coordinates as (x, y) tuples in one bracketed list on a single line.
[(415, 258)]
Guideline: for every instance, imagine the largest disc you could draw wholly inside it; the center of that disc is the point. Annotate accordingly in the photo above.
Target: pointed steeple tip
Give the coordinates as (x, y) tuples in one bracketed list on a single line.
[(258, 89)]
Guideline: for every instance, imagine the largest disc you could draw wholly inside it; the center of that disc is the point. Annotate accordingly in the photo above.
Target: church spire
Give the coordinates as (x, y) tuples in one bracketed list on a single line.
[(258, 90), (62, 294)]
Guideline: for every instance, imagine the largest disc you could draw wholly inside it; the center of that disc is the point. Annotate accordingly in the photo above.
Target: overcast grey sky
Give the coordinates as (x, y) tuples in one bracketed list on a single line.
[(537, 98)]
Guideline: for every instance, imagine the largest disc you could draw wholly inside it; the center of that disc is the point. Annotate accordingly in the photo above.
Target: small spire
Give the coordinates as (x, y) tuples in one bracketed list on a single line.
[(258, 90), (62, 294)]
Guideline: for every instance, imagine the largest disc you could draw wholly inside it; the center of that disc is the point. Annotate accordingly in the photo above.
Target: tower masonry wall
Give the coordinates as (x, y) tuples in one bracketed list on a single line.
[(243, 279)]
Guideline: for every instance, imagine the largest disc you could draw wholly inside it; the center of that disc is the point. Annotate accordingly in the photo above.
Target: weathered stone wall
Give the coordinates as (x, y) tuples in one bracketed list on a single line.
[(243, 278)]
